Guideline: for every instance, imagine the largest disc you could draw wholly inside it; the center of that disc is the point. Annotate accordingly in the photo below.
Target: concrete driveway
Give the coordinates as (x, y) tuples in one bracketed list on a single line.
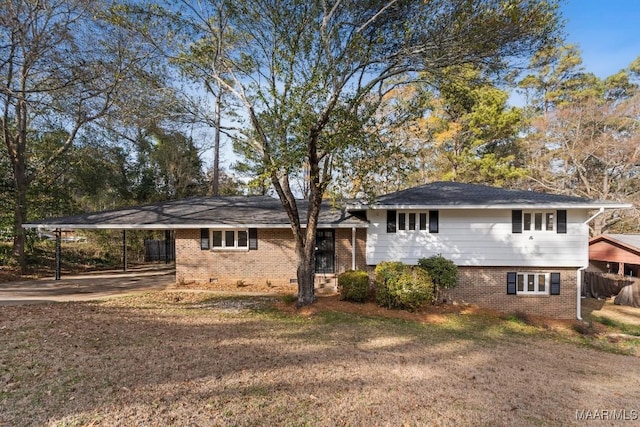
[(88, 286)]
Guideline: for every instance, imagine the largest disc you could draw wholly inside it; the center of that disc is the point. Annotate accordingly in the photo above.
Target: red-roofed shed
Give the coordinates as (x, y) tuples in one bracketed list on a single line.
[(616, 253)]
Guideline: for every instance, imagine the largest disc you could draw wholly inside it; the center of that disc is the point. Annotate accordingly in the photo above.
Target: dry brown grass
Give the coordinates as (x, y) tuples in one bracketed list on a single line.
[(181, 358)]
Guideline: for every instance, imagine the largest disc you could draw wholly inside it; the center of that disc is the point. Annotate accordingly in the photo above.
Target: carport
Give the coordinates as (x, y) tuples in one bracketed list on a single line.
[(614, 268), (150, 217), (616, 253)]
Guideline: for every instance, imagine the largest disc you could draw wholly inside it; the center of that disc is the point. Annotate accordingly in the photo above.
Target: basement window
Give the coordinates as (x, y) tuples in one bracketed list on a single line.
[(532, 284)]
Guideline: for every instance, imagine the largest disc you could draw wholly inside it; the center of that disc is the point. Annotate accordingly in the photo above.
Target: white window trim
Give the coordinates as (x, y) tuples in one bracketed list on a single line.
[(547, 283), (235, 246), (544, 221), (406, 228)]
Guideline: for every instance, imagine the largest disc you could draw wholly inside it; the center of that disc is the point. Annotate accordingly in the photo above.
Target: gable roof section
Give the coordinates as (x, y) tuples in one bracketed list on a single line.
[(629, 242), (201, 212), (455, 195)]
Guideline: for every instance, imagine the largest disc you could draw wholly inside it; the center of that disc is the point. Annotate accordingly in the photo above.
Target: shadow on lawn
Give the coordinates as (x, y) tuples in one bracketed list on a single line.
[(94, 358)]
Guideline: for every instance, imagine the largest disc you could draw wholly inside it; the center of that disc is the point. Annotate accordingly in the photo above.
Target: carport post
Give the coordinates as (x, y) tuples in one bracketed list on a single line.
[(58, 233), (167, 245), (621, 269), (124, 250)]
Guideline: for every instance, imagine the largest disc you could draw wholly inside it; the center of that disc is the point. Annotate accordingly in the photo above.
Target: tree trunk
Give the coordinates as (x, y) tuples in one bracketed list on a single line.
[(215, 184), (20, 215), (306, 274)]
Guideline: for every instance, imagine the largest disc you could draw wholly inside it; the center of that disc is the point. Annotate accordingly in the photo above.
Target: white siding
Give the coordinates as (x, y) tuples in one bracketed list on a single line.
[(480, 238)]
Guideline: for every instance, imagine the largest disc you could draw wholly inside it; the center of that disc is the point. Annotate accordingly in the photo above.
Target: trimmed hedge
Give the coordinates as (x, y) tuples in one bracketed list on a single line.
[(354, 285), (401, 286)]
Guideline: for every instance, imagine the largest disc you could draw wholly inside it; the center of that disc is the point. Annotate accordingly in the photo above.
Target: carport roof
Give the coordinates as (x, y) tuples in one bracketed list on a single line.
[(202, 212)]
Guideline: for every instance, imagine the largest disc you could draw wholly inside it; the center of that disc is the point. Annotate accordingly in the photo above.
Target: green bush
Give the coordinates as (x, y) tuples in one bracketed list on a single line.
[(402, 286), (354, 285), (443, 273), (385, 273)]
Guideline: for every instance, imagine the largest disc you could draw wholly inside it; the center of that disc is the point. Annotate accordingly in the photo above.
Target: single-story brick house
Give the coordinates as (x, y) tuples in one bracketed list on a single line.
[(233, 239), (516, 250)]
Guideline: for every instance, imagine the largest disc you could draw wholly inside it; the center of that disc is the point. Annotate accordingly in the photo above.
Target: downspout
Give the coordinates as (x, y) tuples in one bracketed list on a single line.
[(353, 248), (581, 270)]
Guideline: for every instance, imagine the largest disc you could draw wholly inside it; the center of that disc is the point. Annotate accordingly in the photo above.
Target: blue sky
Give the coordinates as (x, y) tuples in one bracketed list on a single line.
[(606, 31)]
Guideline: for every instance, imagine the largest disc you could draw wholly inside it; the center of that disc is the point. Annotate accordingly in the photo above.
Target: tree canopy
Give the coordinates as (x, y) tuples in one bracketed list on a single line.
[(311, 76)]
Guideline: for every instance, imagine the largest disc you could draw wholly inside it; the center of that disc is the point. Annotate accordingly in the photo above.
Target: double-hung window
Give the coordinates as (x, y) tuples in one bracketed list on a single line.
[(412, 221), (532, 284), (229, 239), (538, 221), (534, 220)]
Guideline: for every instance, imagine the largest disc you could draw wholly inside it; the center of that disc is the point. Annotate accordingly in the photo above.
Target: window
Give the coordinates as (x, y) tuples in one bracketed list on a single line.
[(549, 221), (230, 239), (217, 239), (423, 221), (242, 238), (539, 221), (412, 221), (532, 283)]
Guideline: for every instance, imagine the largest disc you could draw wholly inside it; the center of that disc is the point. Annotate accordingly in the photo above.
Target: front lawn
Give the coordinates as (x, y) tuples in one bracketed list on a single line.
[(181, 358)]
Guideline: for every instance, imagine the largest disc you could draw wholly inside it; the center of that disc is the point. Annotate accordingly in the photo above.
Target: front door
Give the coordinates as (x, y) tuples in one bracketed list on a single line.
[(325, 252)]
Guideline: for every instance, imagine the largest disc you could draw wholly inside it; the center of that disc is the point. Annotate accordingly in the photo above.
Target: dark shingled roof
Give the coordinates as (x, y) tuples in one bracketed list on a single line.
[(455, 194), (247, 211)]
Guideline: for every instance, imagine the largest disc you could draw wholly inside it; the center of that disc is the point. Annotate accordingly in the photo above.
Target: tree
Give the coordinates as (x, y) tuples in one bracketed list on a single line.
[(62, 67), (559, 79), (196, 61), (178, 168), (309, 73), (390, 152), (585, 139), (473, 131)]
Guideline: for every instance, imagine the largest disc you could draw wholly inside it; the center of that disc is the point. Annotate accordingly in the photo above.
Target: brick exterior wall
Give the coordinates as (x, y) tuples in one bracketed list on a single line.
[(273, 265), (274, 261), (486, 287)]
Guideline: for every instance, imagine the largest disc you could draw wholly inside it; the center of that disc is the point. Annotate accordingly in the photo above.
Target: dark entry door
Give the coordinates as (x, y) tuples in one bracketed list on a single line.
[(325, 251)]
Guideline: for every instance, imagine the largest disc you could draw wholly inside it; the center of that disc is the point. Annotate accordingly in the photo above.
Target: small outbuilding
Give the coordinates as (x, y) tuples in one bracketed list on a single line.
[(616, 253), (614, 261)]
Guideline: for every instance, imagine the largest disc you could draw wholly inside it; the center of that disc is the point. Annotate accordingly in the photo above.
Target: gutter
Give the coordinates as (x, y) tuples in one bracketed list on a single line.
[(581, 270)]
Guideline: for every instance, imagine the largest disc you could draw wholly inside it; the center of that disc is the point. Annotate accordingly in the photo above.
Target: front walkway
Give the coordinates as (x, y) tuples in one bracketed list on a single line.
[(88, 286)]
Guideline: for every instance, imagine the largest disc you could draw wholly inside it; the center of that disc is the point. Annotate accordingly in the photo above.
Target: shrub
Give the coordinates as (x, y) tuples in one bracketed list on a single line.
[(443, 272), (386, 273), (354, 286), (402, 286)]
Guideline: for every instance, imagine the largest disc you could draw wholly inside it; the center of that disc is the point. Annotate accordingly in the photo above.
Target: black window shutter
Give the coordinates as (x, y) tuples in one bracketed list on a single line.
[(204, 238), (516, 221), (511, 283), (555, 283), (253, 239), (562, 221), (391, 221), (434, 219)]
